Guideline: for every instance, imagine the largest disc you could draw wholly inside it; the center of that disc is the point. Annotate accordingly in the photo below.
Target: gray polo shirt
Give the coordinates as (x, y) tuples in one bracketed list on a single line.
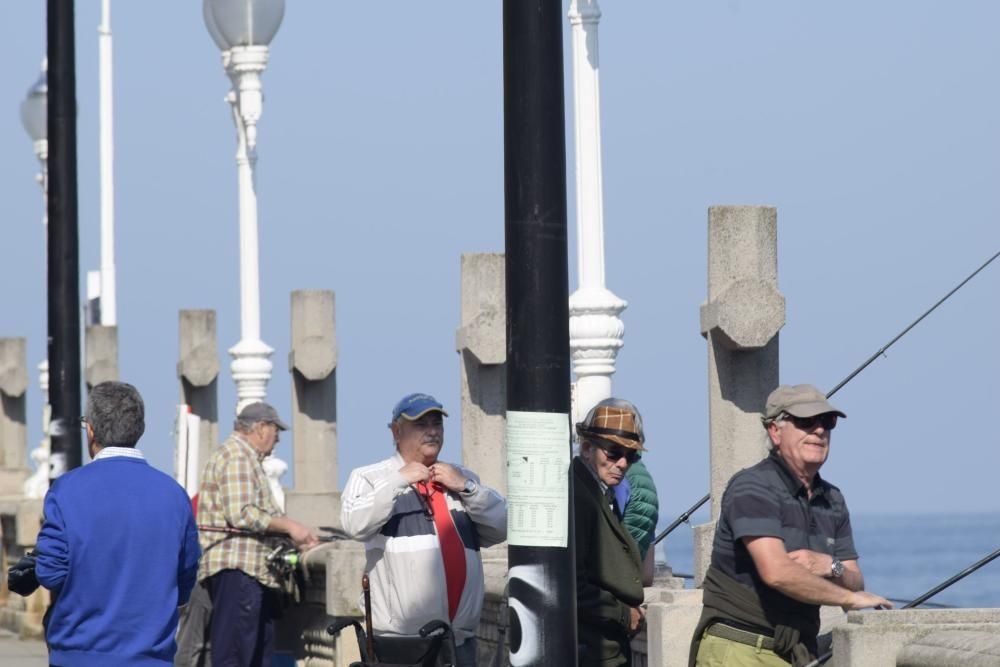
[(767, 500)]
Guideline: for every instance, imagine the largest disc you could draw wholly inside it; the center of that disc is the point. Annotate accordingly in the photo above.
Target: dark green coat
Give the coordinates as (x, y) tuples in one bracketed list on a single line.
[(608, 574)]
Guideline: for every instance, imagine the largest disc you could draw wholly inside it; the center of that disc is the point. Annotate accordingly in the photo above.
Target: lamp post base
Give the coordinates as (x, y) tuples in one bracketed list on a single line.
[(596, 334), (251, 369)]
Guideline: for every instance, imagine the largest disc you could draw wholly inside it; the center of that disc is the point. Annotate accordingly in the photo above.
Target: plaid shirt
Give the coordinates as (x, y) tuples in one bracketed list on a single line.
[(235, 494)]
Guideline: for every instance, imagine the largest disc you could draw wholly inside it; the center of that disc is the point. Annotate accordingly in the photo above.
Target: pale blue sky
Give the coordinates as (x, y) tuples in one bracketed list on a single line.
[(871, 126)]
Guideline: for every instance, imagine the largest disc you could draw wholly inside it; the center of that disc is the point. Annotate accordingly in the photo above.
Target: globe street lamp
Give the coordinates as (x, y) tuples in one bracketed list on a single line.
[(242, 29), (34, 117)]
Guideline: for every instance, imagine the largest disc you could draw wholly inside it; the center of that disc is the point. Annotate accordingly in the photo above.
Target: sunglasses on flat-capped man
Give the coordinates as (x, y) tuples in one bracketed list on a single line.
[(615, 452)]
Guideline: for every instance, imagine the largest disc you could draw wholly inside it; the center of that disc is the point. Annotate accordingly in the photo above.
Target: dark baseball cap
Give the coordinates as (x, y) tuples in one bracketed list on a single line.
[(262, 412), (415, 406)]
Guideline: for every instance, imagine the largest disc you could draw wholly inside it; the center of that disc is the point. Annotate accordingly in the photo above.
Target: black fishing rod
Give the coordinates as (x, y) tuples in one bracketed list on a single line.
[(335, 534), (286, 556), (958, 577), (915, 322), (926, 596), (929, 605), (682, 518), (881, 351)]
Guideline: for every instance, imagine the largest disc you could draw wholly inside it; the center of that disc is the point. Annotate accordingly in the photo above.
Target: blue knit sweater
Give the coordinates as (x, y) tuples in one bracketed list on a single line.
[(119, 551)]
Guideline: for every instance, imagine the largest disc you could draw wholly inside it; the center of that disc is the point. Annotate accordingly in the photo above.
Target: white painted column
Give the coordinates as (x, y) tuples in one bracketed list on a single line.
[(595, 332), (109, 317), (38, 484), (251, 366)]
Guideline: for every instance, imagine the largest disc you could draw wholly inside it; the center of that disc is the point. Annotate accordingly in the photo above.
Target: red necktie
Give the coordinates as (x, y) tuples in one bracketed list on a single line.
[(452, 549)]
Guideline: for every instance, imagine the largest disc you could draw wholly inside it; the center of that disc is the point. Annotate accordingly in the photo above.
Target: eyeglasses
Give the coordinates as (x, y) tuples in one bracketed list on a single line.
[(615, 452), (828, 420), (83, 422)]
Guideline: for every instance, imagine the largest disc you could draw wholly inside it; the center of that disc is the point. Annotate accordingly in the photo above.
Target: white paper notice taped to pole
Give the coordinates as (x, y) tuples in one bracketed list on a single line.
[(538, 459)]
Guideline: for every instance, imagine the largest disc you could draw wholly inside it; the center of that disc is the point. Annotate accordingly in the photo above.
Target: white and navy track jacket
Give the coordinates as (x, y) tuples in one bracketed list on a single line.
[(404, 562)]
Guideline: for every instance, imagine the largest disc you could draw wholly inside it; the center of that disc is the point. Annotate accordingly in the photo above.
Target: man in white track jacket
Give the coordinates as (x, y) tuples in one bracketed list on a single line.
[(423, 523)]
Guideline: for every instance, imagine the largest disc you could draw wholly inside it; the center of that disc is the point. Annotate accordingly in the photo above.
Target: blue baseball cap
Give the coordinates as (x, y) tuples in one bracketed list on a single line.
[(415, 406)]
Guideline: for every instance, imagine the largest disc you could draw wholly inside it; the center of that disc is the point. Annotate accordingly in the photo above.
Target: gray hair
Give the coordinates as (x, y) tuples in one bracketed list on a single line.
[(778, 420), (244, 425), (116, 414)]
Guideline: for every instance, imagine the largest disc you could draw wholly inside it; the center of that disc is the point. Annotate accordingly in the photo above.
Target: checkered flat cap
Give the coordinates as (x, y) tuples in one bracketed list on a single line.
[(616, 421)]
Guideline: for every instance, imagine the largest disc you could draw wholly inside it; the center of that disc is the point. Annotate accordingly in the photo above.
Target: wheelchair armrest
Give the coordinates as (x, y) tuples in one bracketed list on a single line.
[(435, 626), (338, 623)]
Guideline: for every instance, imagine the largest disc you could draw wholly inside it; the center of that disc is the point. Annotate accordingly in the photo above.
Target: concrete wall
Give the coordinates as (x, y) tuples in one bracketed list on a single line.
[(877, 638)]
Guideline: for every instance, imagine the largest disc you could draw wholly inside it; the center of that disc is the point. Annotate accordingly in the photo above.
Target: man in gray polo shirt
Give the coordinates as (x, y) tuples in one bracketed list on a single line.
[(783, 546)]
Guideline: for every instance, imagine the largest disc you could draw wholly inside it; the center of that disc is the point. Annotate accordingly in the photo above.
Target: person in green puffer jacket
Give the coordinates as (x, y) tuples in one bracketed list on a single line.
[(642, 509), (637, 494)]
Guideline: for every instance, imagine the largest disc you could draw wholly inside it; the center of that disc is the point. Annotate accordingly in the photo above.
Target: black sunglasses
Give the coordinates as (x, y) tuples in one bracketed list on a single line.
[(828, 420), (615, 452)]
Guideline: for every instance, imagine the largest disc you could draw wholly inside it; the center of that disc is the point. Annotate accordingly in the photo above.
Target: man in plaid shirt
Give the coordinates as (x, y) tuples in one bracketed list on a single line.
[(235, 494)]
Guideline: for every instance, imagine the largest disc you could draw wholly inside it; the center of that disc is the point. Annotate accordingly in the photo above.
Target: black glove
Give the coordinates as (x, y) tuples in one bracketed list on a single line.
[(21, 577)]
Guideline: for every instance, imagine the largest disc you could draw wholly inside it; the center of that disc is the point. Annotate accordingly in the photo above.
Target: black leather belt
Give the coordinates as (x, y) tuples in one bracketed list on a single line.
[(741, 636)]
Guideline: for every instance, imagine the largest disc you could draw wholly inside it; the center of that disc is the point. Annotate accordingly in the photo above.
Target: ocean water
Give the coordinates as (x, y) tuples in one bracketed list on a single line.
[(905, 555)]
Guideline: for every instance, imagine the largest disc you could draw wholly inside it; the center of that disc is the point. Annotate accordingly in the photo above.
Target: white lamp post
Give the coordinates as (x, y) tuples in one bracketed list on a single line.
[(242, 29), (595, 332), (109, 307), (34, 117)]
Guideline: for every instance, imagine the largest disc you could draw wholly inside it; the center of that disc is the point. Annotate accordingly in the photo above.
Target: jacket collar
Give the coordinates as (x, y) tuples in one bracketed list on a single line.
[(586, 476)]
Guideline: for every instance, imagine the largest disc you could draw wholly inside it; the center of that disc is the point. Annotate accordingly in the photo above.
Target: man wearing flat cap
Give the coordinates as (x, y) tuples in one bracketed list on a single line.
[(423, 522), (236, 505), (783, 546), (608, 562)]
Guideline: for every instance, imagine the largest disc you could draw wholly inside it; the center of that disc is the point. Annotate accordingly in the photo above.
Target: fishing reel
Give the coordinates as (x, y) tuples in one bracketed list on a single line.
[(286, 562), (284, 559)]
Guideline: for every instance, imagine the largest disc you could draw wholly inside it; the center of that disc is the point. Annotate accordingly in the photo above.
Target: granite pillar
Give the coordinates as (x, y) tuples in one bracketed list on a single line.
[(198, 372), (740, 320), (313, 364), (13, 415), (101, 355), (481, 340)]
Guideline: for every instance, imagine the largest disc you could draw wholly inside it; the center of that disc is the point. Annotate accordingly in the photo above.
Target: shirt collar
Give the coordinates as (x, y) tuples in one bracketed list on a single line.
[(243, 441), (793, 483), (127, 452)]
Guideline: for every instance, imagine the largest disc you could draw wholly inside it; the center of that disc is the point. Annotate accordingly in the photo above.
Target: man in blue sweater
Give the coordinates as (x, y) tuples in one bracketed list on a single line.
[(118, 548)]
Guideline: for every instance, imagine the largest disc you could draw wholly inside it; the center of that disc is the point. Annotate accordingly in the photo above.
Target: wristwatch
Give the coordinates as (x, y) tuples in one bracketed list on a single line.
[(470, 487), (836, 568)]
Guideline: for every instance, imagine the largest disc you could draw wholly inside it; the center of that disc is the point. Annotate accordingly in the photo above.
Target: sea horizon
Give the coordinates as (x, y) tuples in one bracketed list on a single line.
[(903, 554)]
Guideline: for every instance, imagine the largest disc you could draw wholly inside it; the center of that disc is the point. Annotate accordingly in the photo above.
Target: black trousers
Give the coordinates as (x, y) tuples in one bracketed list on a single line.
[(242, 632)]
